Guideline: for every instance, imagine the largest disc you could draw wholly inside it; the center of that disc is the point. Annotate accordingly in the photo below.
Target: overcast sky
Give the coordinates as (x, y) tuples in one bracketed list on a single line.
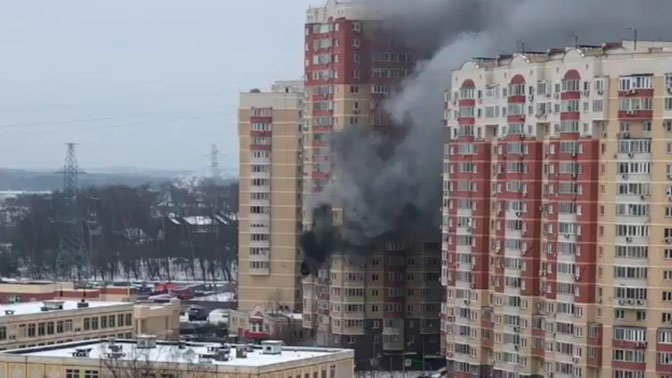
[(138, 83)]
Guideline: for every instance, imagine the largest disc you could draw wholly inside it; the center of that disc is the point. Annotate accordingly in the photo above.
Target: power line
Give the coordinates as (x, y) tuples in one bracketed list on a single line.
[(97, 127), (38, 124)]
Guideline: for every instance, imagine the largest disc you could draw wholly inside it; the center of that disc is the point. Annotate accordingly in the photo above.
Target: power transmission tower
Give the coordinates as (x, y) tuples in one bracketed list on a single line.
[(71, 257), (214, 161)]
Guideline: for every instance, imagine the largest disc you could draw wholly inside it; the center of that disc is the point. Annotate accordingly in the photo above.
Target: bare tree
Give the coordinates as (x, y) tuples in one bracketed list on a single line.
[(161, 361)]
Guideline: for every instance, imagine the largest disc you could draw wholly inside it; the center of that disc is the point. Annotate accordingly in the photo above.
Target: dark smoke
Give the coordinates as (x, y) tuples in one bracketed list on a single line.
[(394, 187)]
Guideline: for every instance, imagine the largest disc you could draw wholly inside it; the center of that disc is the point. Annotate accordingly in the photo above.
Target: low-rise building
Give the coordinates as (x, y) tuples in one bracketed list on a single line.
[(50, 322), (260, 324), (159, 319), (58, 321), (101, 358), (31, 291)]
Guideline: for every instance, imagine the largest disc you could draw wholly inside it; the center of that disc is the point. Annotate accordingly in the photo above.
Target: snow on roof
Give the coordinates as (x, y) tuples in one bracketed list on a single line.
[(29, 308), (191, 353), (198, 220), (220, 297)]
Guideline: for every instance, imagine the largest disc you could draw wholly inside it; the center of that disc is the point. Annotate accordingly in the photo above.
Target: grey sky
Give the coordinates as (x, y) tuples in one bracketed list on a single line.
[(138, 83)]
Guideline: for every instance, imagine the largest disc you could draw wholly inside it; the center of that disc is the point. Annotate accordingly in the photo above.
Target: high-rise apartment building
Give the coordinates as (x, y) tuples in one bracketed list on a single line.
[(270, 197), (386, 302), (557, 239)]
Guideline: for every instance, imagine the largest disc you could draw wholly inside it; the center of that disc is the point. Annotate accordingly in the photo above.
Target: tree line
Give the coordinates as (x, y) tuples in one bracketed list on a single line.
[(164, 233)]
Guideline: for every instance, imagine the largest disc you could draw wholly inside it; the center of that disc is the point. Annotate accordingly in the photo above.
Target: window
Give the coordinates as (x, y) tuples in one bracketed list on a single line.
[(628, 374), (665, 358), (632, 252), (94, 323), (91, 374), (628, 83), (570, 85), (41, 329), (624, 355), (31, 330), (50, 328), (3, 333), (630, 293), (72, 373)]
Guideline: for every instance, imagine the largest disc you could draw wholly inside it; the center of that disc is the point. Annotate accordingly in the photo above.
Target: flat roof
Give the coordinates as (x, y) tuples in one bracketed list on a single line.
[(170, 352), (28, 308)]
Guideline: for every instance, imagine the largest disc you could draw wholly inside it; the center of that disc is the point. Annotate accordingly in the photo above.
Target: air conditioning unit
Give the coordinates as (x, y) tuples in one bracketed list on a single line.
[(600, 92), (586, 93), (668, 240), (556, 96), (628, 239), (530, 98), (576, 360)]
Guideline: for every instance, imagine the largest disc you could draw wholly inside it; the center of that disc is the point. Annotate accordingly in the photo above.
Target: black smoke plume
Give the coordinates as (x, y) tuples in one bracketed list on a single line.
[(389, 188)]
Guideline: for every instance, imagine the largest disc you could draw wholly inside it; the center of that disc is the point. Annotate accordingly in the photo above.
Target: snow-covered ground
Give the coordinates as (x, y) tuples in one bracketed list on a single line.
[(220, 297), (215, 317), (218, 316)]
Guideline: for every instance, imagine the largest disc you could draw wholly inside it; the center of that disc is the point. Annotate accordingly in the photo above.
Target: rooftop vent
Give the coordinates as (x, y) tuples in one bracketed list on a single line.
[(114, 347), (83, 304), (9, 312), (271, 347), (51, 305), (223, 354), (146, 342), (241, 352), (81, 352)]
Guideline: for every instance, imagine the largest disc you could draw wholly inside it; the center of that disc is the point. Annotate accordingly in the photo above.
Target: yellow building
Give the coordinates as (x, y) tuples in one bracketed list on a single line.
[(56, 321), (269, 130), (95, 359), (159, 319)]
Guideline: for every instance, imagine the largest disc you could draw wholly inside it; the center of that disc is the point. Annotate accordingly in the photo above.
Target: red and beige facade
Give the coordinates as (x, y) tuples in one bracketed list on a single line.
[(269, 131), (557, 237), (387, 303)]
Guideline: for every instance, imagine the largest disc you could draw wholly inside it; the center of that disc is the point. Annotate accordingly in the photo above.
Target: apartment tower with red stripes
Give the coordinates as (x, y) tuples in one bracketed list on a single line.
[(385, 304), (557, 230)]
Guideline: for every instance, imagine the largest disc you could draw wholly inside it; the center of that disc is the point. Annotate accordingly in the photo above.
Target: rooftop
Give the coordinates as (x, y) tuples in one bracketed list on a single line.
[(28, 308), (624, 48), (173, 353)]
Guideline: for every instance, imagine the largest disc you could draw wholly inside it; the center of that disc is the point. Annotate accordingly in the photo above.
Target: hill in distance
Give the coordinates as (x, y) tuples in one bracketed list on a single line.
[(29, 180)]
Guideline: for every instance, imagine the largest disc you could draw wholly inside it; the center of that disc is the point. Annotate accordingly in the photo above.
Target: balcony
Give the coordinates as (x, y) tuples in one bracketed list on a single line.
[(630, 303)]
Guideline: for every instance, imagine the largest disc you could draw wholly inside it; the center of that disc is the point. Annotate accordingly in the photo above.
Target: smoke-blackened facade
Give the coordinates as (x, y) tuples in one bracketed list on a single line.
[(374, 281)]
